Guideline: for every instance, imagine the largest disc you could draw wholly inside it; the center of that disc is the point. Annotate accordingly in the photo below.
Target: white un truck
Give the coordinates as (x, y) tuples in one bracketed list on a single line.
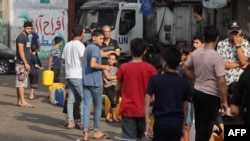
[(170, 23)]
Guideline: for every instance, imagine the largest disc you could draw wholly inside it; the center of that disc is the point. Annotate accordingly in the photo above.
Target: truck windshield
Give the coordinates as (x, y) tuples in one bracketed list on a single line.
[(101, 17)]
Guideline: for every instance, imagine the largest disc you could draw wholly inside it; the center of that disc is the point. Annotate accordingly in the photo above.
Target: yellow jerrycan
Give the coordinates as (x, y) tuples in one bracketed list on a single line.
[(119, 117), (47, 77), (152, 121)]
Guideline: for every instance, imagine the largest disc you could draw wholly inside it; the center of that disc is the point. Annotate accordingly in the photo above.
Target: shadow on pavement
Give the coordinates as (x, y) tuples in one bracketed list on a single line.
[(7, 103), (36, 118), (66, 136), (56, 129)]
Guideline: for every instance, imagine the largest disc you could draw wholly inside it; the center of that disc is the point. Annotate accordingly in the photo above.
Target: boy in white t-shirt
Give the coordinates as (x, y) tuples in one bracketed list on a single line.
[(72, 57)]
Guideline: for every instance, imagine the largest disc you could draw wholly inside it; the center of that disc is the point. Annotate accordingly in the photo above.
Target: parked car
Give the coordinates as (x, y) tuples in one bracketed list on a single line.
[(7, 59)]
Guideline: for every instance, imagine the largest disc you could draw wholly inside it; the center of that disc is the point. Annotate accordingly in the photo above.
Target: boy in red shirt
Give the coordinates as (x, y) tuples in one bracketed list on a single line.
[(132, 81)]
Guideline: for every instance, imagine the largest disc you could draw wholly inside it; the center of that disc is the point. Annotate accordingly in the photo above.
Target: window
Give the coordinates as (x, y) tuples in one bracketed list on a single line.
[(127, 21)]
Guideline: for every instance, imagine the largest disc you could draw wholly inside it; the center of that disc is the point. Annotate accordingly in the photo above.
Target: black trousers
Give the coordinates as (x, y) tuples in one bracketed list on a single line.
[(39, 61), (76, 109), (56, 75), (206, 108), (168, 129), (110, 92)]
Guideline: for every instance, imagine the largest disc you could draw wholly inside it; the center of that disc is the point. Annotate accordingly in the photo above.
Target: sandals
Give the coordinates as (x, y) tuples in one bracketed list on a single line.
[(71, 126), (79, 126), (112, 120), (85, 139), (109, 120), (116, 120), (218, 131), (27, 105), (102, 136)]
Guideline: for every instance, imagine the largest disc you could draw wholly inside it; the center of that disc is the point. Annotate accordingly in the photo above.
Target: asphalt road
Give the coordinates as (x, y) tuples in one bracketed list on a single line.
[(44, 122)]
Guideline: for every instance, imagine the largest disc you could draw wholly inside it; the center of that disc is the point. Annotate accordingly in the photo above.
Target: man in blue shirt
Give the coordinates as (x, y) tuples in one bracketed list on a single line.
[(93, 84)]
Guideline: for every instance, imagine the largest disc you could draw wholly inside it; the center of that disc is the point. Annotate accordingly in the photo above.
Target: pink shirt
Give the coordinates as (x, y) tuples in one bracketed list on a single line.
[(208, 65)]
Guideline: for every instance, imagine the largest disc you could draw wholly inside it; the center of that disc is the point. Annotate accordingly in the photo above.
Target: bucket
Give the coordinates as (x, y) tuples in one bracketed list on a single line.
[(47, 77)]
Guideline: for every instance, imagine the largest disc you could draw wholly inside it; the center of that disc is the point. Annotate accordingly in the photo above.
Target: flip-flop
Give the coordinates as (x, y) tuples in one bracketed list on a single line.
[(103, 136), (109, 120), (82, 140), (27, 105), (116, 120)]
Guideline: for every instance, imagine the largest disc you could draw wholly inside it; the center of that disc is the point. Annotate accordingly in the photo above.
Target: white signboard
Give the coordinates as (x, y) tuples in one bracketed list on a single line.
[(55, 4), (214, 3)]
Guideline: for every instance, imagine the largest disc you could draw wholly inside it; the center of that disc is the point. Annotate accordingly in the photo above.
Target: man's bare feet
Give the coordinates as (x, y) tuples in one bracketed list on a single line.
[(71, 126), (32, 96)]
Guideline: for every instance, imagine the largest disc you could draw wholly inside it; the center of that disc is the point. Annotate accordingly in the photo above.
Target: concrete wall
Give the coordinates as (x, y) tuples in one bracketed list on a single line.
[(4, 22)]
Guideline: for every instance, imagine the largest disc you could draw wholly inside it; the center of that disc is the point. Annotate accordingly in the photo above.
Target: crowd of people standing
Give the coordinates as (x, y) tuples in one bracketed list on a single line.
[(198, 84)]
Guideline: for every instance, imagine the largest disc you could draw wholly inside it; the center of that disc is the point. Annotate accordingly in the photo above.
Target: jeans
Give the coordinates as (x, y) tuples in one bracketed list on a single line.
[(74, 87), (190, 114), (94, 94)]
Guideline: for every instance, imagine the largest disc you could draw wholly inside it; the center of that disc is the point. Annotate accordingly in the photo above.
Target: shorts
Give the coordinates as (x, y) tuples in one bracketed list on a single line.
[(132, 128), (21, 76), (33, 81)]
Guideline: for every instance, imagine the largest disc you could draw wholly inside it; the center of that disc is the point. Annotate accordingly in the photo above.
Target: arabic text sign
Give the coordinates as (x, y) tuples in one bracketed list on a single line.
[(48, 24)]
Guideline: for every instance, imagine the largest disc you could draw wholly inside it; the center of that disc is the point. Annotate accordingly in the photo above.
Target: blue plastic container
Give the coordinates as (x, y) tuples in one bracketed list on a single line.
[(60, 97)]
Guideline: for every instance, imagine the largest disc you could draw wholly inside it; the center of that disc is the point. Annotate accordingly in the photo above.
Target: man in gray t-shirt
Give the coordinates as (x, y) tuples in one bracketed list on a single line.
[(206, 68), (23, 63)]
